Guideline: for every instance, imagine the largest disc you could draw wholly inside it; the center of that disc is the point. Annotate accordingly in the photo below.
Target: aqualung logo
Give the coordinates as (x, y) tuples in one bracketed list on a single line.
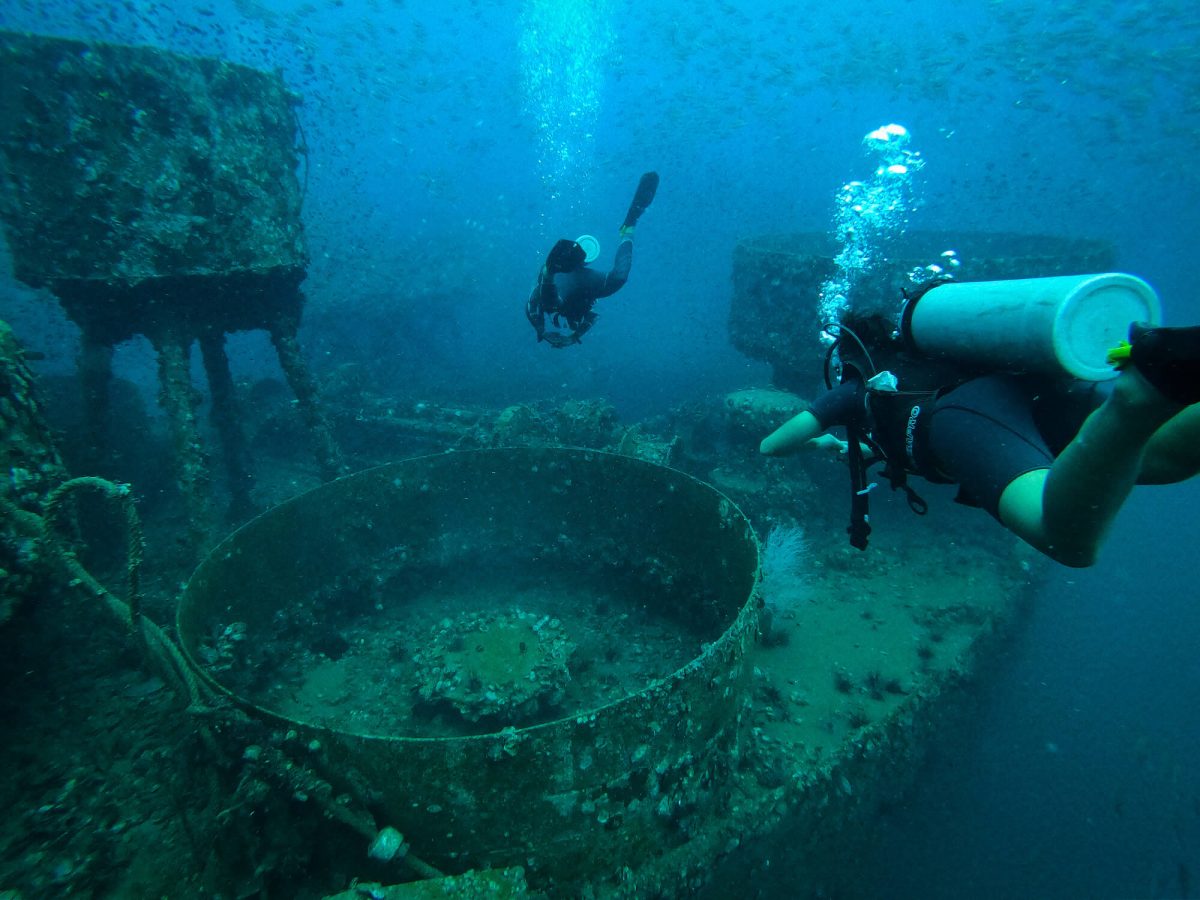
[(910, 434)]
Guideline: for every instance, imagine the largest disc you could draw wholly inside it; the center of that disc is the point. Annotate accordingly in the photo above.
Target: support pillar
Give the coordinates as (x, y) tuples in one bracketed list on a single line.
[(95, 380), (175, 397), (224, 417), (283, 336)]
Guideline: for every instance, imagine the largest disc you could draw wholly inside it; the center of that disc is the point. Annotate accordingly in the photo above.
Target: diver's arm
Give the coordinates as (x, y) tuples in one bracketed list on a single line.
[(839, 406), (803, 432), (533, 312), (535, 306), (798, 433)]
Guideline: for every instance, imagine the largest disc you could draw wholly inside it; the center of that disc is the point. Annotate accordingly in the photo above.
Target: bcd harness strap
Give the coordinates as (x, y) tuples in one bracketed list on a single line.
[(860, 505), (896, 457)]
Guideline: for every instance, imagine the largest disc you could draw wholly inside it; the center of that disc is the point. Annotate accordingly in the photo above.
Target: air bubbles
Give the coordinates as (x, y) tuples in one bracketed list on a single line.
[(887, 134), (868, 215), (565, 47)]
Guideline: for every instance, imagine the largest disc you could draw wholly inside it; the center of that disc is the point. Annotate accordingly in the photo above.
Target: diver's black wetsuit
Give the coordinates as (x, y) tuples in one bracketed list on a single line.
[(981, 434), (571, 295)]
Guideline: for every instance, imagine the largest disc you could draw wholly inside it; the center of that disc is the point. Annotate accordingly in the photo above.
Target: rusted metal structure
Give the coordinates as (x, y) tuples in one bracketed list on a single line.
[(358, 620), (157, 194), (609, 776), (29, 468)]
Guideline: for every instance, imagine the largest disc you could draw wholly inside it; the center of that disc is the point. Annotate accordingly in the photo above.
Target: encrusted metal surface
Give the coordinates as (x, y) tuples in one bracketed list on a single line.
[(30, 467), (126, 163), (616, 769)]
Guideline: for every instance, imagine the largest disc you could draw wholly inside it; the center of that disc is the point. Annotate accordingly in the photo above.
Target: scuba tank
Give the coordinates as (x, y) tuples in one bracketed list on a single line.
[(1055, 326)]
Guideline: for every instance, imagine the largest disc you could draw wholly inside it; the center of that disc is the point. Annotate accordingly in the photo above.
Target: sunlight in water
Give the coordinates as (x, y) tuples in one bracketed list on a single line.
[(564, 48)]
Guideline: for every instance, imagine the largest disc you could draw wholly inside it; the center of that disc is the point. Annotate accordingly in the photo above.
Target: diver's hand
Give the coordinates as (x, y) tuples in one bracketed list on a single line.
[(831, 443), (558, 340)]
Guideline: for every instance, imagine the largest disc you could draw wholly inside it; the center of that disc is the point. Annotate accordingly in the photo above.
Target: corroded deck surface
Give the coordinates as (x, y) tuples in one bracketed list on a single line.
[(878, 656)]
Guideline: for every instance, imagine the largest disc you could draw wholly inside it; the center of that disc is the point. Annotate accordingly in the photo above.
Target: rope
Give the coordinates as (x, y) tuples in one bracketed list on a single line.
[(157, 645)]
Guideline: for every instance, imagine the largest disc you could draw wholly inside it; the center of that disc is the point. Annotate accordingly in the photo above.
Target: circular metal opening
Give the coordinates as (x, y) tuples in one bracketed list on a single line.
[(467, 593), (517, 647)]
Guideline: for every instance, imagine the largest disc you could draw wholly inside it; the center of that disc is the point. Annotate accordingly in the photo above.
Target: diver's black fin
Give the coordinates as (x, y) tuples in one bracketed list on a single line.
[(565, 256), (642, 198)]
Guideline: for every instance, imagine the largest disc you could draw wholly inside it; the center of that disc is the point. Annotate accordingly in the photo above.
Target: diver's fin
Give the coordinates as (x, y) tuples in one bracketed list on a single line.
[(642, 198), (565, 256)]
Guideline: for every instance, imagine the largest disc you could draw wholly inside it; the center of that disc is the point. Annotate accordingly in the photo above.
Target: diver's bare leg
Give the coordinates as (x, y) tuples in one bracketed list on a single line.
[(1066, 510)]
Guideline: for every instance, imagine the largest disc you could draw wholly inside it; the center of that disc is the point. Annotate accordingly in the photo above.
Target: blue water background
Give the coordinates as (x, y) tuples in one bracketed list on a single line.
[(441, 170)]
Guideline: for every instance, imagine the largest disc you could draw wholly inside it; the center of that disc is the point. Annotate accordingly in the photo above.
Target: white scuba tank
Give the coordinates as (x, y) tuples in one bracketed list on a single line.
[(1064, 324)]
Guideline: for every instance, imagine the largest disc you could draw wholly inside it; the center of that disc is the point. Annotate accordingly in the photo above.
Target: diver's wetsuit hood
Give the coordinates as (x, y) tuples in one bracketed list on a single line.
[(565, 256)]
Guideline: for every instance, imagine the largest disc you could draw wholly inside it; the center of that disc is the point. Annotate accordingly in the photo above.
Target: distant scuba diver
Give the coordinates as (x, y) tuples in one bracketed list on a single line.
[(567, 288), (1050, 456)]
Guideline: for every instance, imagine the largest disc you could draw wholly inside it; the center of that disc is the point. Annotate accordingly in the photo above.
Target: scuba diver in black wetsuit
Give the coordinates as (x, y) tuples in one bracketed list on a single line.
[(1051, 457), (567, 288)]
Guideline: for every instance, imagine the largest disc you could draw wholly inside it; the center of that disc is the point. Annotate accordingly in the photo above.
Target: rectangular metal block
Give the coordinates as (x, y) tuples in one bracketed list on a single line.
[(121, 164)]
